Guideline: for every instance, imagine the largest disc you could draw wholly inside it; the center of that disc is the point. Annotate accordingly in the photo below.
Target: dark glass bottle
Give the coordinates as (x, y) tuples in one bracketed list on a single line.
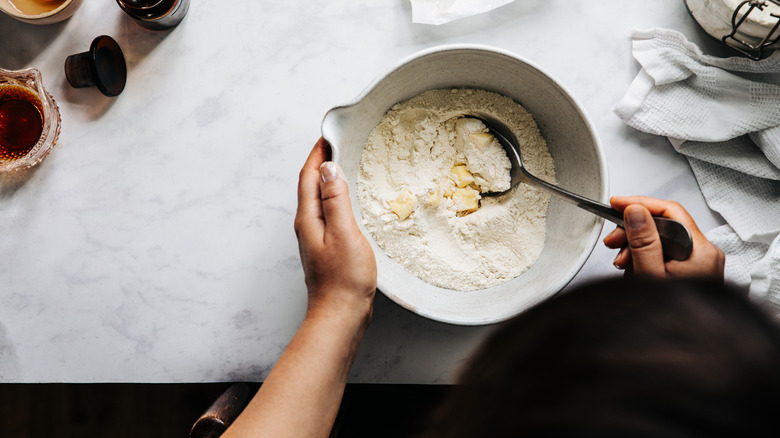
[(155, 14)]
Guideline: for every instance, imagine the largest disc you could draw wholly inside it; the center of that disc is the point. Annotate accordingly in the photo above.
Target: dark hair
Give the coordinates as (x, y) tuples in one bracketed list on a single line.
[(623, 357)]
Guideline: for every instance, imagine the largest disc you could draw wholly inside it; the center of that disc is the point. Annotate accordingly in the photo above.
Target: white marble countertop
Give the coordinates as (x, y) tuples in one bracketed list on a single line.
[(156, 244)]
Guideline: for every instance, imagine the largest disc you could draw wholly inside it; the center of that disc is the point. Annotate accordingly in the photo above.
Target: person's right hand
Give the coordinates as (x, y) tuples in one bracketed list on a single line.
[(640, 246)]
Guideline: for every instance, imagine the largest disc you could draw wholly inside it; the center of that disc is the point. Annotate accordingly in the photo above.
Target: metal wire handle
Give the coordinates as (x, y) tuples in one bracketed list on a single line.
[(753, 51)]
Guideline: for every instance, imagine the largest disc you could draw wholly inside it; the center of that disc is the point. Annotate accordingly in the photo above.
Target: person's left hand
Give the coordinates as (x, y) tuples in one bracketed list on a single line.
[(338, 261), (302, 393)]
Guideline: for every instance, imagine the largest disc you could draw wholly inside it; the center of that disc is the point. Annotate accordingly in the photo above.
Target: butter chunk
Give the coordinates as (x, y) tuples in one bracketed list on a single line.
[(466, 200), (481, 140), (435, 196), (404, 204), (461, 176)]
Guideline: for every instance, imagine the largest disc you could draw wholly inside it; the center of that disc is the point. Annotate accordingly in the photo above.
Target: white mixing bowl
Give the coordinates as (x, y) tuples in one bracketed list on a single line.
[(579, 162)]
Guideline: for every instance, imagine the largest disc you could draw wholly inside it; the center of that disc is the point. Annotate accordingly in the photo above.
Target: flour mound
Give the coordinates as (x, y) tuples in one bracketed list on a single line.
[(421, 174)]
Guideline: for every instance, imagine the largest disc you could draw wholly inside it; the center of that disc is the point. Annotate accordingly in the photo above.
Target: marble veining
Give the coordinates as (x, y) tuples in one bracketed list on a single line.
[(155, 244)]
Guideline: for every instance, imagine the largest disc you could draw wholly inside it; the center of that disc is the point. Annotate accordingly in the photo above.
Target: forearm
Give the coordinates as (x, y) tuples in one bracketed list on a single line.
[(301, 396)]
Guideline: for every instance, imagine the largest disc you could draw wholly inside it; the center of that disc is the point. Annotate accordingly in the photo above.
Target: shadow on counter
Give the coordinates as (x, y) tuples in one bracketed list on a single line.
[(11, 182), (28, 41)]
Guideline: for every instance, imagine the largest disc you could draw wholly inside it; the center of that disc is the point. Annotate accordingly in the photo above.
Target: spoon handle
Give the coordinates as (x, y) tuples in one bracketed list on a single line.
[(676, 239)]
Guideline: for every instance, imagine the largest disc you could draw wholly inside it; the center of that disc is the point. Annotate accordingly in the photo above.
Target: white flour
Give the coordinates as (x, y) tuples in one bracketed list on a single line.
[(423, 220)]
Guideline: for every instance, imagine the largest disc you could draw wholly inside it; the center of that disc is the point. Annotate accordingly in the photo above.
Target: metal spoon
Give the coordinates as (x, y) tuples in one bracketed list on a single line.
[(676, 240)]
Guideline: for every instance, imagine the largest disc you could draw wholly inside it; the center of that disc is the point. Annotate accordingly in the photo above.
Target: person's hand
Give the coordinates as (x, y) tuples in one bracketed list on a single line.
[(640, 246), (338, 262), (302, 393)]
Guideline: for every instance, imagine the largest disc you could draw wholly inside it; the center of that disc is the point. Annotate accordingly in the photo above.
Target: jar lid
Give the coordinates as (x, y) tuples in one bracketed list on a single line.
[(102, 66), (748, 26)]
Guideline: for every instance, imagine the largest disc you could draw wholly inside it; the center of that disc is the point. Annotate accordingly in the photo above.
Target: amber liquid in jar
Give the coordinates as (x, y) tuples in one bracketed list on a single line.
[(21, 121), (35, 7)]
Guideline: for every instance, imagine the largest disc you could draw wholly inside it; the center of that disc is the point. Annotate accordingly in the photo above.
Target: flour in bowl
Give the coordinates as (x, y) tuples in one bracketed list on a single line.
[(422, 173)]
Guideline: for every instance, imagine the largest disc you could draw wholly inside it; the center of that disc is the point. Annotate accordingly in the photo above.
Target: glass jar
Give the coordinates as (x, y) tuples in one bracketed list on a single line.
[(26, 85), (751, 27), (155, 14)]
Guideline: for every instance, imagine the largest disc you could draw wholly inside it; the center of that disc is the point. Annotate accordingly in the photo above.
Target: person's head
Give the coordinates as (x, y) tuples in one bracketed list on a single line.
[(623, 357)]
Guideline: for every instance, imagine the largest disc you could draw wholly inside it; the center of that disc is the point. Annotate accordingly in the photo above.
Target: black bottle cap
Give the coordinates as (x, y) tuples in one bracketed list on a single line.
[(103, 66)]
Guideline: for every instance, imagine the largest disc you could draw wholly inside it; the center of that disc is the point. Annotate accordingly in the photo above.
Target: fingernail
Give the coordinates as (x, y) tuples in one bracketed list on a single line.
[(329, 171), (635, 218), (618, 259)]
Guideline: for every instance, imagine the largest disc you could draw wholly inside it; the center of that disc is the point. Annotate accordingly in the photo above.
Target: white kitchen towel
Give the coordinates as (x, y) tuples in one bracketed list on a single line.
[(742, 255), (750, 263), (749, 204), (724, 115)]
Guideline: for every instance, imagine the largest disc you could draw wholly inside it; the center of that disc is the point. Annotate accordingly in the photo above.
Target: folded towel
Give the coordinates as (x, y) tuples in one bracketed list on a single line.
[(723, 114)]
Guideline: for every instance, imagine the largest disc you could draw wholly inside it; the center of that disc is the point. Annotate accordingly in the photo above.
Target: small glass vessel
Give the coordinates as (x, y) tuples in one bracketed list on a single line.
[(17, 88)]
